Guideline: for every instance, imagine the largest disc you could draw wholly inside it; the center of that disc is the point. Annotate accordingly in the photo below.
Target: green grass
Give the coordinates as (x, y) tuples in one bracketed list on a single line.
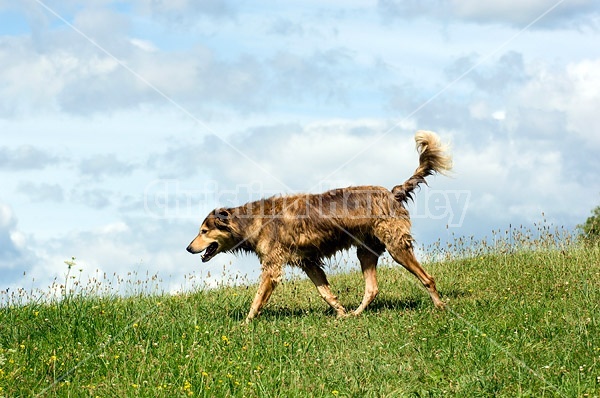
[(518, 324)]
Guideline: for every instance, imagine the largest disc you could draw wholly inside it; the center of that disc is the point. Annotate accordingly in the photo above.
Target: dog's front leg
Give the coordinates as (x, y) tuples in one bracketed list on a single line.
[(269, 278)]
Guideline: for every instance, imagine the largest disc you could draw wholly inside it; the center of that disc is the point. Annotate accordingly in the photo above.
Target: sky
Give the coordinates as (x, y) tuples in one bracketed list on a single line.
[(123, 123)]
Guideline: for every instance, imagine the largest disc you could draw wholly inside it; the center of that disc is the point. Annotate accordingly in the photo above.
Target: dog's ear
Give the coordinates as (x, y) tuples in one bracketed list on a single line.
[(222, 217), (222, 213)]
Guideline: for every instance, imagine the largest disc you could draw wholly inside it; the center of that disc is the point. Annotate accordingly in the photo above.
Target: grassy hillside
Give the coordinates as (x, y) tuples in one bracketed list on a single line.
[(524, 323)]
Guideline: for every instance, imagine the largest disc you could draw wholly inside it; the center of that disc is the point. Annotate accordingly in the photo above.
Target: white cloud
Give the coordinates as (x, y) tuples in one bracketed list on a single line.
[(582, 109), (287, 27), (114, 228), (499, 115), (106, 27), (98, 166), (41, 192), (286, 158), (574, 92), (6, 217), (71, 75), (524, 12), (186, 11), (506, 72), (145, 45), (519, 13), (95, 198), (25, 157), (13, 256)]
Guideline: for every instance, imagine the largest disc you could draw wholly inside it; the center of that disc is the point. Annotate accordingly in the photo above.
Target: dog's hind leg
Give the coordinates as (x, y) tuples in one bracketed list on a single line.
[(270, 277), (368, 263), (406, 257), (395, 235), (318, 277)]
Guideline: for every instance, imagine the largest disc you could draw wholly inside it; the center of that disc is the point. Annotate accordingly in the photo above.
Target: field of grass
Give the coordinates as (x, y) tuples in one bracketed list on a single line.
[(520, 323)]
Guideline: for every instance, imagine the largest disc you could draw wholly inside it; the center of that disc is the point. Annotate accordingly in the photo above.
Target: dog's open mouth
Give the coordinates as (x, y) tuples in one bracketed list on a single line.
[(211, 250)]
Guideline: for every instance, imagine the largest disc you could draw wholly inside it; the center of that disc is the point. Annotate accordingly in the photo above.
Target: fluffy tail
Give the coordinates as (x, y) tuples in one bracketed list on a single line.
[(433, 158)]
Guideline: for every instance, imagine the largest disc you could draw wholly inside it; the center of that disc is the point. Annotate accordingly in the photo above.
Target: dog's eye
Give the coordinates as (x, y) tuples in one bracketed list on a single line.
[(203, 231)]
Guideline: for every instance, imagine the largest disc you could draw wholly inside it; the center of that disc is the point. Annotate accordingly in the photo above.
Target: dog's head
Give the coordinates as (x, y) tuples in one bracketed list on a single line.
[(215, 235)]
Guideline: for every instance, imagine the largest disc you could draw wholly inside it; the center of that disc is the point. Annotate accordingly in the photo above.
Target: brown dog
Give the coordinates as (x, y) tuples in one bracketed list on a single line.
[(304, 229)]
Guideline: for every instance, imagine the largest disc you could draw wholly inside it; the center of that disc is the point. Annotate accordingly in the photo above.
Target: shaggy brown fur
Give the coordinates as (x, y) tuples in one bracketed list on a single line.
[(304, 229)]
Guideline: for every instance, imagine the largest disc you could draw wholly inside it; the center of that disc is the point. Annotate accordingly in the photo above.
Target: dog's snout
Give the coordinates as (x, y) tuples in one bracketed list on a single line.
[(189, 248)]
